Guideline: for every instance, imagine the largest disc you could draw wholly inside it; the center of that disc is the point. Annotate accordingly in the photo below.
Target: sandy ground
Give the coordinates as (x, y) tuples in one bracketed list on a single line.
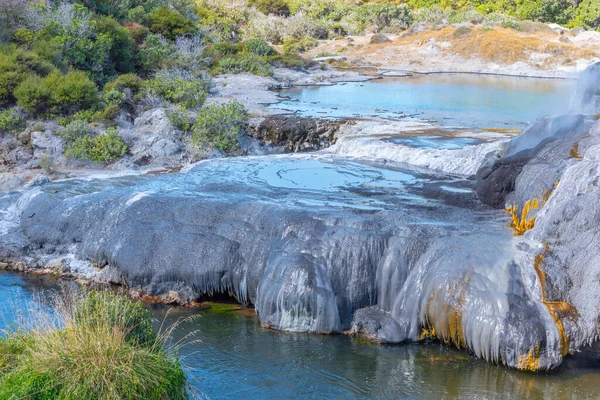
[(547, 52)]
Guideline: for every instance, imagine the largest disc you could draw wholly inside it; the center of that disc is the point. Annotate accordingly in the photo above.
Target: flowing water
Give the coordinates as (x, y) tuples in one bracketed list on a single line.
[(377, 220), (463, 100), (236, 358)]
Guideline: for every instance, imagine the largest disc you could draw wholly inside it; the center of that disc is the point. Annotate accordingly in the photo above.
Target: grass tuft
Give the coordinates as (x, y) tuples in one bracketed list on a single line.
[(91, 345)]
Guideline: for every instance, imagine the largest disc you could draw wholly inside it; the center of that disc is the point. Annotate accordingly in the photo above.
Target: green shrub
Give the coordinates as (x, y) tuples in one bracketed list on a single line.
[(180, 118), (587, 15), (11, 122), (47, 164), (104, 148), (104, 348), (33, 94), (275, 7), (8, 82), (154, 53), (293, 61), (71, 92), (245, 62), (75, 130), (220, 125), (180, 89), (123, 49), (292, 45), (169, 23), (258, 47)]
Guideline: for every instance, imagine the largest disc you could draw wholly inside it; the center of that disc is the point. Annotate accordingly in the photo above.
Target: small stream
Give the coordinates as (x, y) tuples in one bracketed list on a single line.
[(236, 358)]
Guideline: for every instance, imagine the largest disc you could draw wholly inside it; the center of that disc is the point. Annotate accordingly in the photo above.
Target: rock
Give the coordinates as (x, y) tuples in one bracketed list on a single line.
[(10, 181), (371, 28), (155, 141), (379, 38), (416, 28), (38, 180), (462, 32), (564, 39), (296, 134), (496, 179), (376, 325)]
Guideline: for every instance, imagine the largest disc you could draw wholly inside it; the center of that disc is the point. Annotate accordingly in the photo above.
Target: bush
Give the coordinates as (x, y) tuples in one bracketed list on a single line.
[(75, 130), (8, 82), (127, 81), (123, 49), (104, 148), (46, 163), (155, 52), (33, 94), (587, 15), (291, 46), (169, 23), (275, 7), (220, 125), (11, 122), (180, 119), (293, 61), (245, 62), (103, 348), (179, 87), (71, 92), (379, 38), (258, 47)]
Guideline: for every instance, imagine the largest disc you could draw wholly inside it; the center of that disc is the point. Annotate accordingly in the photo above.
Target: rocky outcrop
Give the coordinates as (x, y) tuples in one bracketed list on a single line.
[(154, 141), (497, 178), (296, 134)]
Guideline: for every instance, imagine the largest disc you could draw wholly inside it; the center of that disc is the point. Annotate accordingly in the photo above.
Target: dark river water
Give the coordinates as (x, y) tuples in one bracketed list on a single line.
[(463, 100), (232, 357)]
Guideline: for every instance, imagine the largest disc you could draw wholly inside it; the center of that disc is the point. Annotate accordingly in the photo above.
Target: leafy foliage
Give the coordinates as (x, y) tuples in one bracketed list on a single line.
[(220, 125), (179, 87), (11, 121), (244, 62), (104, 148), (169, 23)]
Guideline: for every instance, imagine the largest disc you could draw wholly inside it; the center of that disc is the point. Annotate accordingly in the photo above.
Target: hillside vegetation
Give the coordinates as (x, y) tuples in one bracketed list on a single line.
[(89, 60)]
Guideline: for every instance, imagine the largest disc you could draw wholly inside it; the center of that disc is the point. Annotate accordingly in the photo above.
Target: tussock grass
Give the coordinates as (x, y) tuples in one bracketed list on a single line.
[(92, 345)]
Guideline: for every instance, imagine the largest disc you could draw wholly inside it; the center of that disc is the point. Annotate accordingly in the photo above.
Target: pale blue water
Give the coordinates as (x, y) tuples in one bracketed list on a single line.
[(461, 100)]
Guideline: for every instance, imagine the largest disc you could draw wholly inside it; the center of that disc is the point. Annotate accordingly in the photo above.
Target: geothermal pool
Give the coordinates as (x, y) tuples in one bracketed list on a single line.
[(462, 100), (239, 359), (384, 223)]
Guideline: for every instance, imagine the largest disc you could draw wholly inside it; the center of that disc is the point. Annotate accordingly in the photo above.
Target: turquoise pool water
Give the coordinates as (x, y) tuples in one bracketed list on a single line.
[(448, 99)]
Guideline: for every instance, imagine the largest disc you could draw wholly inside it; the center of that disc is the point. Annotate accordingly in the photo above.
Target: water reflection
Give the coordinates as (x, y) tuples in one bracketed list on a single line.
[(236, 358), (448, 99)]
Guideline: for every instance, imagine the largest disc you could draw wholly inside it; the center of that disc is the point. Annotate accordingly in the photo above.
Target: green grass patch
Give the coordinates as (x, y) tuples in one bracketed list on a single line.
[(104, 347)]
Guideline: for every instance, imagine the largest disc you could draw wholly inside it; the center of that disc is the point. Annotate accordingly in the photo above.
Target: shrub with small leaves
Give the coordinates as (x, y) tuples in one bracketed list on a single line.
[(46, 163), (104, 148), (244, 62), (169, 23), (179, 87), (220, 125), (180, 118), (258, 47), (292, 45), (75, 130), (126, 81), (33, 94), (11, 121)]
